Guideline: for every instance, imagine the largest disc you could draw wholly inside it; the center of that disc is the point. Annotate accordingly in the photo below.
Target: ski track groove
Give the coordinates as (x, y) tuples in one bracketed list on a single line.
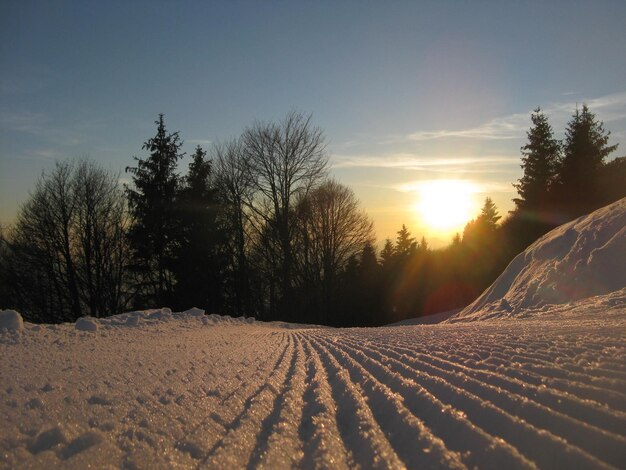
[(588, 407), (359, 430), (319, 429), (242, 433), (450, 422), (409, 437), (277, 444), (504, 404)]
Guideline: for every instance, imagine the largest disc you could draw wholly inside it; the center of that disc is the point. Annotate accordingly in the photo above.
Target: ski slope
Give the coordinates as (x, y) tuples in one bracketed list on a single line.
[(187, 391), (532, 375)]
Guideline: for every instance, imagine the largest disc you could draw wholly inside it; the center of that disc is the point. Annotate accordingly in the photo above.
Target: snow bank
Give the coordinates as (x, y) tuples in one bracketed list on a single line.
[(86, 324), (11, 320), (578, 260)]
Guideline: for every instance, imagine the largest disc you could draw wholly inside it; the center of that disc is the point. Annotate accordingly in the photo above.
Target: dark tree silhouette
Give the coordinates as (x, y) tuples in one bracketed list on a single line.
[(405, 244), (585, 149), (200, 253), (235, 187), (285, 160), (154, 233), (331, 230), (66, 255), (540, 160)]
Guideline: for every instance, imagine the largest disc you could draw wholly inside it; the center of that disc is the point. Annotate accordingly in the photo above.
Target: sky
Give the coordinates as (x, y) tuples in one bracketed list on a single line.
[(406, 92)]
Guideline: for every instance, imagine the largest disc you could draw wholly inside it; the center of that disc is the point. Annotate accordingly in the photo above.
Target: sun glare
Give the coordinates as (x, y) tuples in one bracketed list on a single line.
[(446, 205)]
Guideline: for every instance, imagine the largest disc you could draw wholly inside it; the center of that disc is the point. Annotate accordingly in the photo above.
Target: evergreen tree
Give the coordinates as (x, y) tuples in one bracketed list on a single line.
[(405, 243), (369, 262), (478, 233), (386, 254), (539, 161), (200, 255), (153, 234), (586, 147), (488, 218), (423, 245)]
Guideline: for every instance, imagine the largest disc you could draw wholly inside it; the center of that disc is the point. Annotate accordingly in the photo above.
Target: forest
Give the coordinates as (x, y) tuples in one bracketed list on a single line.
[(256, 227)]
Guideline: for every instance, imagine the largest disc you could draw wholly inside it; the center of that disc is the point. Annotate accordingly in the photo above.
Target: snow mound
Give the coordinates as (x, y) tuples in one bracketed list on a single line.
[(194, 312), (86, 324), (11, 320), (578, 260)]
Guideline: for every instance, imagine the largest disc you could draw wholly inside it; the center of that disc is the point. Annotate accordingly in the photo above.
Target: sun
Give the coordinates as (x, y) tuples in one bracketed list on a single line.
[(446, 205)]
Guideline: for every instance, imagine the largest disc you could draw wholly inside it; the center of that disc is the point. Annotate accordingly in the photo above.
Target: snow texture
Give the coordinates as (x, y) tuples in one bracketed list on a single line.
[(217, 392), (156, 389), (578, 260), (11, 320), (87, 324)]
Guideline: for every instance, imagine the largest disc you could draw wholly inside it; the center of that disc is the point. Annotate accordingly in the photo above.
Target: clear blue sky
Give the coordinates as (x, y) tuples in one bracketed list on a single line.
[(406, 91)]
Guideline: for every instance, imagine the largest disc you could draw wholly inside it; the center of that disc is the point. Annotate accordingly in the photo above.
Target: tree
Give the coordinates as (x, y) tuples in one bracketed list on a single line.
[(386, 254), (199, 257), (66, 255), (332, 229), (234, 182), (154, 234), (586, 147), (540, 159), (286, 160), (405, 244), (489, 217)]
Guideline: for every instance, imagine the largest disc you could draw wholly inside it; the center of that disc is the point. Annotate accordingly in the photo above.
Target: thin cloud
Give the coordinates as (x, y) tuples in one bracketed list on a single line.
[(509, 127), (31, 123), (478, 186), (200, 141), (413, 162), (609, 108)]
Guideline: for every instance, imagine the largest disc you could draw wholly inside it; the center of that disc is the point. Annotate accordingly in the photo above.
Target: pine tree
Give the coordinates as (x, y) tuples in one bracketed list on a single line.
[(488, 218), (200, 255), (586, 147), (368, 261), (386, 254), (540, 161), (153, 234), (423, 245), (478, 233), (405, 243)]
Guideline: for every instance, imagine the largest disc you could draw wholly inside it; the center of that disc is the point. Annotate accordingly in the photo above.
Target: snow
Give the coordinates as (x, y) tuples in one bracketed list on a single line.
[(536, 383), (11, 320), (86, 324), (579, 260), (218, 392)]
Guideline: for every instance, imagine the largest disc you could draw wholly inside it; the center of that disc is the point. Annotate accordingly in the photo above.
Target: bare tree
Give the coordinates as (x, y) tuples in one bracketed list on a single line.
[(285, 160), (235, 187), (332, 229), (67, 250)]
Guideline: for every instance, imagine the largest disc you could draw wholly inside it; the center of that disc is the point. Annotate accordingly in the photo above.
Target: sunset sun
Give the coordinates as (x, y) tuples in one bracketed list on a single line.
[(445, 205)]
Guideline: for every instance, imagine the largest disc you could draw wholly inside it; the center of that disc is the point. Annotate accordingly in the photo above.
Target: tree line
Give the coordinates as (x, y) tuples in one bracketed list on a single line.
[(255, 227)]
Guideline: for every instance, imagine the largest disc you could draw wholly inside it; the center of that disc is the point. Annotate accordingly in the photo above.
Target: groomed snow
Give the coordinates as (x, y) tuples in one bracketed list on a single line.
[(198, 391), (545, 387)]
